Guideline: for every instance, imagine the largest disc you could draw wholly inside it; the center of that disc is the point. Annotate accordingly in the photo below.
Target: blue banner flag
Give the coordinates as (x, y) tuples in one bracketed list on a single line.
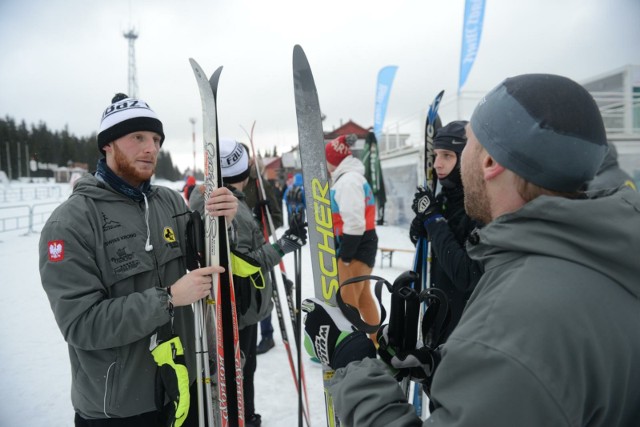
[(471, 32), (385, 80)]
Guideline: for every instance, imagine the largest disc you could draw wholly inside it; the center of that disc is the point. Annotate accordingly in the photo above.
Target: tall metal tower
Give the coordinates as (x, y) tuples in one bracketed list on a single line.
[(131, 36)]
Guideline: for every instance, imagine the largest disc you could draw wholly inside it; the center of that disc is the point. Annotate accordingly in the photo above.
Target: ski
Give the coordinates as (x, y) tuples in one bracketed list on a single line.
[(423, 255), (318, 200), (268, 226), (228, 361)]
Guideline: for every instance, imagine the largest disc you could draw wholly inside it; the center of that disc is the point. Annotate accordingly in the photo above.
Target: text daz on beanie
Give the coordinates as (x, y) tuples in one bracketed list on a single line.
[(234, 161), (545, 128), (126, 115)]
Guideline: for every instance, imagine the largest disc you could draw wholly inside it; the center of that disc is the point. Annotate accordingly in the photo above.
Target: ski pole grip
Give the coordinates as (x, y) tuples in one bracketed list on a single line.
[(403, 318)]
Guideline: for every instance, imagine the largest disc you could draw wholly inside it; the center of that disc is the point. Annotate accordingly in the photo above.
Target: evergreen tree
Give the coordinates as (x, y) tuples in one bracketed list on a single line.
[(59, 148)]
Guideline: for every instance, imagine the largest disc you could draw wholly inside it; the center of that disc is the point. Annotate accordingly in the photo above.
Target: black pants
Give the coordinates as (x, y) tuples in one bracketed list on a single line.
[(248, 343), (148, 419)]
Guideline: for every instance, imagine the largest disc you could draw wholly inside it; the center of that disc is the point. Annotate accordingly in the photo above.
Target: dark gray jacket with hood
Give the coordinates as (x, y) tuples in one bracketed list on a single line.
[(108, 294), (550, 336)]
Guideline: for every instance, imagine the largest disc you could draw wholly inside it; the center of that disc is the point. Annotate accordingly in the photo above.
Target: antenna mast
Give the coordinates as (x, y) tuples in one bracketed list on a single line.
[(131, 36)]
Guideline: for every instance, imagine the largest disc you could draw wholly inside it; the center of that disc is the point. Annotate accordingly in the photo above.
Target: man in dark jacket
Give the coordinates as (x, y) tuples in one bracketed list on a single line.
[(112, 262), (549, 336), (447, 226)]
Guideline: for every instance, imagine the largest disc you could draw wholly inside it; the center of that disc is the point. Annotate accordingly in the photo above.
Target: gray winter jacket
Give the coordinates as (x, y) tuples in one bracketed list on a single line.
[(108, 294), (250, 242), (550, 335)]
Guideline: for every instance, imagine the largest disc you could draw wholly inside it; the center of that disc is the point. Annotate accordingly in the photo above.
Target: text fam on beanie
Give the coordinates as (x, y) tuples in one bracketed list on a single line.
[(234, 161)]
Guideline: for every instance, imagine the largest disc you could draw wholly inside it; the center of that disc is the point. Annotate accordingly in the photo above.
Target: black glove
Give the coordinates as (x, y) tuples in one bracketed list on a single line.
[(418, 364), (417, 230), (172, 378), (293, 239), (425, 205), (331, 338)]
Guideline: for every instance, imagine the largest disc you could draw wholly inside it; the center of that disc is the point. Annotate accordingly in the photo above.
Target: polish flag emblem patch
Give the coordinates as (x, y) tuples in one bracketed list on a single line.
[(56, 250)]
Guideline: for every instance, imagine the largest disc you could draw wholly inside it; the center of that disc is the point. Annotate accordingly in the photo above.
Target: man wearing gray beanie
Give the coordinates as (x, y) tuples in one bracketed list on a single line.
[(550, 335)]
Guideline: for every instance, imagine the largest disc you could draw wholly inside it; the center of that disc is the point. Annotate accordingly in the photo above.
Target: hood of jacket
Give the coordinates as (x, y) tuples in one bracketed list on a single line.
[(601, 233), (349, 164)]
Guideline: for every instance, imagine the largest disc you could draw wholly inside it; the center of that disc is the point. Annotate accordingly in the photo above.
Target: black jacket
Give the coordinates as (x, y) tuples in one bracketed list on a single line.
[(452, 270)]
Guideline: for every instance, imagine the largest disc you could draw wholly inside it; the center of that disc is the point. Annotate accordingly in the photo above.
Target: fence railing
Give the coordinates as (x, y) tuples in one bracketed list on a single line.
[(22, 194), (25, 217)]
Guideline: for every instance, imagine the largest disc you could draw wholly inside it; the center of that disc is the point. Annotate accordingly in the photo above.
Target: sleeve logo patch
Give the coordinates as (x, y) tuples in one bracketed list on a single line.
[(56, 250)]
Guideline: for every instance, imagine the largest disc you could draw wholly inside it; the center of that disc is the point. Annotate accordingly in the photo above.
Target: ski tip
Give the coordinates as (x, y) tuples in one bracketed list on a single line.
[(213, 80), (299, 55), (300, 61), (438, 97), (216, 75), (197, 69)]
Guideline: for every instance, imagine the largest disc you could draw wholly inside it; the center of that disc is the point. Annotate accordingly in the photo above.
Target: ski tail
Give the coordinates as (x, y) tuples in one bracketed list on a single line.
[(268, 226), (317, 196), (228, 361)]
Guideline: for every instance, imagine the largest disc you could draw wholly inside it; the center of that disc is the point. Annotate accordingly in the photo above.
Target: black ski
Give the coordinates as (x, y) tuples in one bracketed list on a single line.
[(423, 253)]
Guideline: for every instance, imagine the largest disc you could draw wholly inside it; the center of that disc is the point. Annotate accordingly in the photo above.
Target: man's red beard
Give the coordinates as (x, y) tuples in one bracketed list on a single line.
[(127, 169)]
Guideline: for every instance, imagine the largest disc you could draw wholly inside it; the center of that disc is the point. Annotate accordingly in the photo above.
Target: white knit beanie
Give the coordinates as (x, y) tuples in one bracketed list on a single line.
[(126, 115), (234, 161)]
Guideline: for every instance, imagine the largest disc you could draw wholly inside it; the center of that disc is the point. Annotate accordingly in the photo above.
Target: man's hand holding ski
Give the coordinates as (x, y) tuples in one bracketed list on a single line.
[(418, 364), (222, 202)]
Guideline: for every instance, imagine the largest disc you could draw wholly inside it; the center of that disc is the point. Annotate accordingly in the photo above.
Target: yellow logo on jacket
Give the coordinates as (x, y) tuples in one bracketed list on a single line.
[(169, 235)]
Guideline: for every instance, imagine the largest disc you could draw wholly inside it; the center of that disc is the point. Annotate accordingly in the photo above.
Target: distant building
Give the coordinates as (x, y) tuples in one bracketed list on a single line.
[(347, 129)]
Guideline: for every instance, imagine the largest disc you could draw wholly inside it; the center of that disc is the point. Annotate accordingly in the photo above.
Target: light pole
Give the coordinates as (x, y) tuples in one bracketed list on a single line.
[(193, 133)]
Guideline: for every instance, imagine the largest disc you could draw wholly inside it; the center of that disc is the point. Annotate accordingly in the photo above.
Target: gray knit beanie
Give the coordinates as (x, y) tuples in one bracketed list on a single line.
[(545, 128)]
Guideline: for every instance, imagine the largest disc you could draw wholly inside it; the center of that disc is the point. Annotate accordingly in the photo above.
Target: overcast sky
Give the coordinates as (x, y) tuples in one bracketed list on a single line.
[(63, 60)]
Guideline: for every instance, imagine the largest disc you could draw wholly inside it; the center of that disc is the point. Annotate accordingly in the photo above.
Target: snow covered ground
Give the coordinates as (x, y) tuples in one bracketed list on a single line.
[(36, 376)]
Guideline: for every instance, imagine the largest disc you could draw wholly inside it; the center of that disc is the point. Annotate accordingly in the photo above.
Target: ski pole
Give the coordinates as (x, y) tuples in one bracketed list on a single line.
[(293, 311)]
